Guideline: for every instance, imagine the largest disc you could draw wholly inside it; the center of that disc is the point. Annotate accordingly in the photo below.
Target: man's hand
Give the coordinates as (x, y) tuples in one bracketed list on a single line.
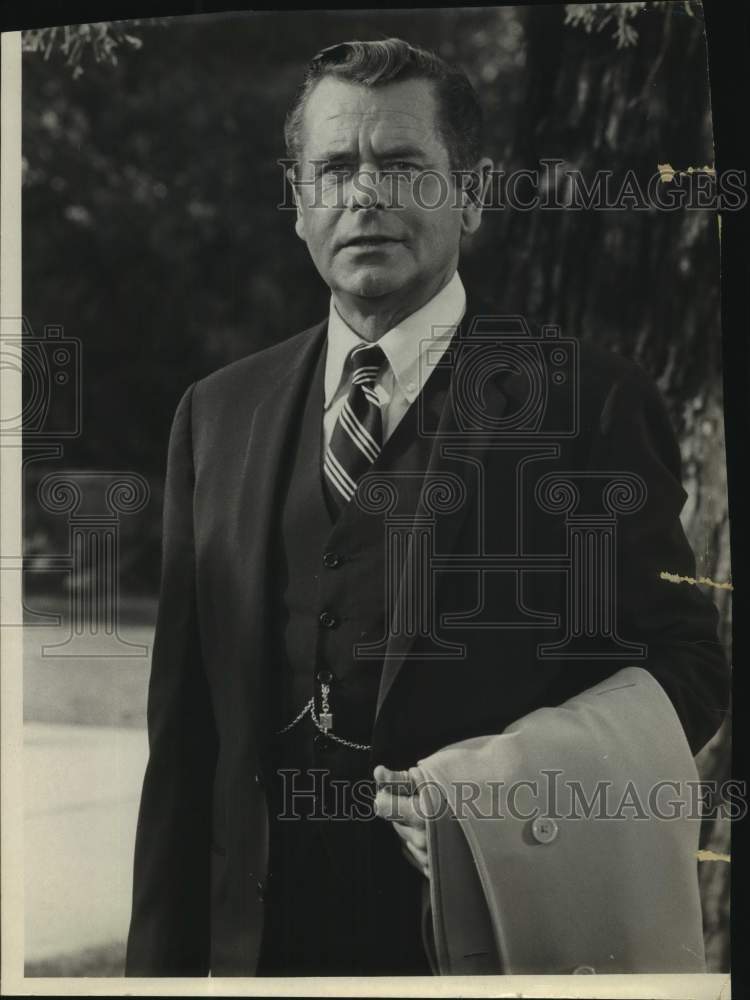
[(395, 802)]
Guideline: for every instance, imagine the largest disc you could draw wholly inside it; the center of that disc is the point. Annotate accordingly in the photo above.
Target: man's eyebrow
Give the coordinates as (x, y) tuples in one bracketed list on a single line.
[(334, 156), (397, 152), (391, 153)]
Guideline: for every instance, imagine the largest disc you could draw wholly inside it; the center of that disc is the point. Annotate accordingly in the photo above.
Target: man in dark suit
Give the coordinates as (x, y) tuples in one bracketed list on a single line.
[(309, 486)]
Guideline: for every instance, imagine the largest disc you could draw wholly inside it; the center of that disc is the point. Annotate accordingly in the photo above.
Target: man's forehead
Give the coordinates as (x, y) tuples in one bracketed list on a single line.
[(340, 109), (382, 131)]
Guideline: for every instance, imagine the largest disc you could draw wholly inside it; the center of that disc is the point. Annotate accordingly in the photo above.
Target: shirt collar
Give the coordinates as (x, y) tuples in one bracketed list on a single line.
[(404, 345)]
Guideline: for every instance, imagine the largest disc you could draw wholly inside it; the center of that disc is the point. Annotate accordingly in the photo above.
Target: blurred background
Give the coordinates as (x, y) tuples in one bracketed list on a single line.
[(151, 235)]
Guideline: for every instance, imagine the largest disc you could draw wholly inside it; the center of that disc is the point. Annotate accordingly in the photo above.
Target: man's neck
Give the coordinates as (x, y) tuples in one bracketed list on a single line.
[(371, 318)]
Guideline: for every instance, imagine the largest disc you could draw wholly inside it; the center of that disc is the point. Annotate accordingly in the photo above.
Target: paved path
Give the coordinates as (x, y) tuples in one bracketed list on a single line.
[(82, 786)]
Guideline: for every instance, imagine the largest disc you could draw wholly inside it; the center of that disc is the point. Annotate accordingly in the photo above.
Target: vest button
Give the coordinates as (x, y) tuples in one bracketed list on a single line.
[(327, 620), (324, 676), (331, 560)]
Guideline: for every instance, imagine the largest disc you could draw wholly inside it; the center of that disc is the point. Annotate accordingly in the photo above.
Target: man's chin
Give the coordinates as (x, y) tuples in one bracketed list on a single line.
[(373, 283)]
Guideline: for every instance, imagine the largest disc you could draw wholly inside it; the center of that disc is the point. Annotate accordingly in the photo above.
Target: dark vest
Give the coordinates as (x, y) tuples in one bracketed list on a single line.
[(330, 593), (332, 908)]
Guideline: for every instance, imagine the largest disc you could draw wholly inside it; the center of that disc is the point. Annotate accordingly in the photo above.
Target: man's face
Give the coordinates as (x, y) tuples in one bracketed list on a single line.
[(369, 234)]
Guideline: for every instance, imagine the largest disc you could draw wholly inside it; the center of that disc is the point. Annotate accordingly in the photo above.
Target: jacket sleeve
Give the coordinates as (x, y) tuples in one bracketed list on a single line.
[(677, 621), (169, 930)]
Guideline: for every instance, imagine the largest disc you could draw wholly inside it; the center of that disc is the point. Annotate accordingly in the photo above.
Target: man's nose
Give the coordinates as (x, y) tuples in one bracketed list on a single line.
[(366, 189)]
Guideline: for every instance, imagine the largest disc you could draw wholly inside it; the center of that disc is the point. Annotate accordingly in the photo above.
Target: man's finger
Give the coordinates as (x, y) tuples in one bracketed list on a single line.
[(420, 859), (398, 782), (416, 776), (417, 838), (410, 859), (398, 809)]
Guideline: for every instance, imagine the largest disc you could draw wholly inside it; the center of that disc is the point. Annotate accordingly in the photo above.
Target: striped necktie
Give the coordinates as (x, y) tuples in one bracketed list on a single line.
[(358, 434)]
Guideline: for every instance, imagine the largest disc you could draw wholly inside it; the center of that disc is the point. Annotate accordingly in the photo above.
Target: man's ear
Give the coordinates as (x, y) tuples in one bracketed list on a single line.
[(299, 224), (473, 192)]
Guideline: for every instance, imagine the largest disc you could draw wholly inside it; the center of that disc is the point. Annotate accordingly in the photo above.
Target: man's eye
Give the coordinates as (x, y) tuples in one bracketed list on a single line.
[(335, 169), (402, 166)]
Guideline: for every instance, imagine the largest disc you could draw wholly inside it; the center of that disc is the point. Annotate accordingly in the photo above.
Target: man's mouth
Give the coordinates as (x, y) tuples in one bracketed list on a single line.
[(369, 241)]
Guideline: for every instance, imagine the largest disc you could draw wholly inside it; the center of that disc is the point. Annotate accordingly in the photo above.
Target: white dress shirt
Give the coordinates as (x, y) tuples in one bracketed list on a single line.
[(413, 348)]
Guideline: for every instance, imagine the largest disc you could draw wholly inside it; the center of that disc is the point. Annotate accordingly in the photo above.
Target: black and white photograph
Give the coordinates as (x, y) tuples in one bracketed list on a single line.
[(367, 576)]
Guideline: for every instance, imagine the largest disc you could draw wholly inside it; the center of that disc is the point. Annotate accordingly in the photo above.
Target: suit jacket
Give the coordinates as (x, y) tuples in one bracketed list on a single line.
[(202, 842), (572, 888)]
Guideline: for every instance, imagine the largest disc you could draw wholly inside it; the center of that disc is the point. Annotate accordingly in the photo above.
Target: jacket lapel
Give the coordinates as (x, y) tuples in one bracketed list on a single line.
[(441, 416), (268, 440)]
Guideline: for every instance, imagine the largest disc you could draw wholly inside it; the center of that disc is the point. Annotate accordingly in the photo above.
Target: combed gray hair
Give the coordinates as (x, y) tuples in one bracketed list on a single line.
[(375, 63)]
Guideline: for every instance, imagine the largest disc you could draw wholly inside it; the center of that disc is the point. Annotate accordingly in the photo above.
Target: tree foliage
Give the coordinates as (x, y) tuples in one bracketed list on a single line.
[(152, 233), (597, 16), (77, 42)]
